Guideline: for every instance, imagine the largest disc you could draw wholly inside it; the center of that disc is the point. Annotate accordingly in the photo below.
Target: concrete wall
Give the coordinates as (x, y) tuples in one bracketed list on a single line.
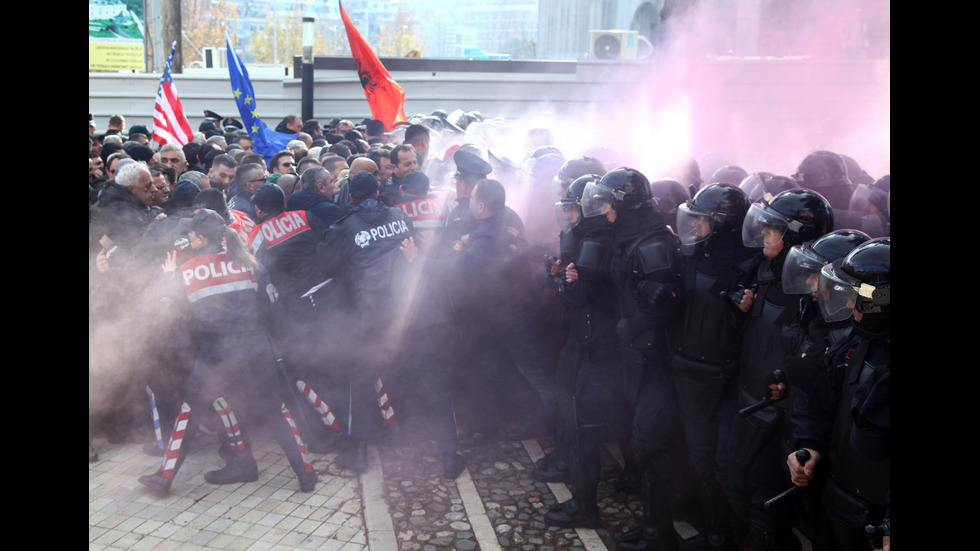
[(763, 114)]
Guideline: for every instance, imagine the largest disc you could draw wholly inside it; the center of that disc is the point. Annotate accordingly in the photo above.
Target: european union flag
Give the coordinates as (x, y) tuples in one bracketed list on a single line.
[(265, 142)]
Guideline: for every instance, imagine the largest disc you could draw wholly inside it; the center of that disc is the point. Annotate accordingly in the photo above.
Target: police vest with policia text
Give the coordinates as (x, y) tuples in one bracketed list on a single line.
[(209, 275), (280, 228)]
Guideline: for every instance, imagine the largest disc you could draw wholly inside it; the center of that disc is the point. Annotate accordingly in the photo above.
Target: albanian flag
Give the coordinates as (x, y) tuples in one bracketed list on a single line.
[(385, 97)]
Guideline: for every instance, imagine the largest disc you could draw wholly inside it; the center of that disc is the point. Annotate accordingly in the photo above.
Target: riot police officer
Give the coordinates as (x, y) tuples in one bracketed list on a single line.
[(705, 342), (790, 218), (589, 400), (646, 268), (844, 421), (812, 334)]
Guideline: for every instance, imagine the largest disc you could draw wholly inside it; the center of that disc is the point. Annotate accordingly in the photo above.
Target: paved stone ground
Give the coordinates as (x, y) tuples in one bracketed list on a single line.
[(401, 503)]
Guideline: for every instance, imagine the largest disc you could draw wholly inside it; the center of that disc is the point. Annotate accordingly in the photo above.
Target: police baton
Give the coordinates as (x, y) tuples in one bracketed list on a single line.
[(297, 398), (802, 455), (776, 377)]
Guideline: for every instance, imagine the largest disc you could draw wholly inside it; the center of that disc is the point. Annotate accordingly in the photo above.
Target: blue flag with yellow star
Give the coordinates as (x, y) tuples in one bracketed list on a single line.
[(265, 141)]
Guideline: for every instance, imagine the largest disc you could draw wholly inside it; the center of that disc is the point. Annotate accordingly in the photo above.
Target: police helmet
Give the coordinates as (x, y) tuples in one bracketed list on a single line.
[(668, 194), (729, 174), (545, 167), (622, 189), (868, 199), (799, 215), (765, 185), (575, 167), (580, 166), (714, 209), (568, 210), (861, 281), (821, 169), (855, 173), (801, 270)]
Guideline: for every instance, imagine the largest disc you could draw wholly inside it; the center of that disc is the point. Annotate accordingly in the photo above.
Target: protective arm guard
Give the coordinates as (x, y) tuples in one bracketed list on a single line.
[(592, 260), (660, 266), (657, 276)]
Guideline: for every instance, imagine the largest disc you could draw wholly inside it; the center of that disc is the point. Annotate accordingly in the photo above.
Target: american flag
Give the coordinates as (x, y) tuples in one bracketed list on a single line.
[(169, 123)]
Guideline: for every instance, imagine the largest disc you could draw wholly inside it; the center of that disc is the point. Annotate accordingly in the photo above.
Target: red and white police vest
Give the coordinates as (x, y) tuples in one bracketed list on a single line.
[(244, 226), (280, 228), (425, 213), (209, 275)]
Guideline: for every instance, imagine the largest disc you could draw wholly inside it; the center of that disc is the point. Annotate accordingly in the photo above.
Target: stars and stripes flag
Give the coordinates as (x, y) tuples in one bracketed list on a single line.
[(385, 97), (265, 141), (169, 123)]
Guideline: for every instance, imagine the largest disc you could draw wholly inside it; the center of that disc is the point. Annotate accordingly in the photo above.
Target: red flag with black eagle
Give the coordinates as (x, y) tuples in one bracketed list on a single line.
[(385, 97)]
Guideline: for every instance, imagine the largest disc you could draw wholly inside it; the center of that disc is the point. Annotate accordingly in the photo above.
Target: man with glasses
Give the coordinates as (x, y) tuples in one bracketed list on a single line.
[(282, 162), (248, 179)]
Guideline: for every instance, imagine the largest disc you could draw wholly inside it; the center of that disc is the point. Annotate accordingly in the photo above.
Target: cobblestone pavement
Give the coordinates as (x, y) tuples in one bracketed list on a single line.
[(400, 503)]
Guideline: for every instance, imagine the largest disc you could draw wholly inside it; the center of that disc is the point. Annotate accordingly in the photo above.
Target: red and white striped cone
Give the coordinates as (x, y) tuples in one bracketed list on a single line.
[(387, 412), (170, 455), (326, 415), (234, 432), (307, 466)]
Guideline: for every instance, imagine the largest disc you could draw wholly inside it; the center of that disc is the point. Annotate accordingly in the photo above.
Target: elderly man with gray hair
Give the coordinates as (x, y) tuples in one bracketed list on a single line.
[(316, 195)]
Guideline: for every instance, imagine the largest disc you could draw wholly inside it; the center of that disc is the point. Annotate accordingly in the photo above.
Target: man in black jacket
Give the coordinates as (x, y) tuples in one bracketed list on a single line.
[(316, 195), (361, 252)]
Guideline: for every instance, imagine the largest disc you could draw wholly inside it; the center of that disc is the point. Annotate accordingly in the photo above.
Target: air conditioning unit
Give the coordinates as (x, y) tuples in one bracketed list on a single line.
[(215, 58), (613, 44)]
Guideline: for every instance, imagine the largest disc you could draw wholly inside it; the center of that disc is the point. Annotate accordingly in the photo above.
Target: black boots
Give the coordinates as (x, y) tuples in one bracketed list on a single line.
[(453, 464), (157, 482), (353, 458), (307, 481), (553, 467), (573, 514), (241, 467), (649, 538)]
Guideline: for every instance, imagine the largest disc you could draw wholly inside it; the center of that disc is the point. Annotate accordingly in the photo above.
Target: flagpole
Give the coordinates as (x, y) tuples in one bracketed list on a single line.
[(307, 91)]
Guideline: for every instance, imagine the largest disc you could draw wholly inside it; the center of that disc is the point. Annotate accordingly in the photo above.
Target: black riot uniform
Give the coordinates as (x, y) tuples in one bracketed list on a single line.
[(646, 268), (590, 406), (844, 419), (705, 341), (791, 217), (361, 253), (809, 335)]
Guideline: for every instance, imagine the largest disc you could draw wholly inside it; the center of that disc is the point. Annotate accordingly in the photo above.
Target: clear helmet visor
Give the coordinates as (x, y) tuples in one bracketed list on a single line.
[(693, 226), (761, 228), (568, 214), (801, 271), (559, 186), (755, 190), (596, 200), (867, 199), (837, 293)]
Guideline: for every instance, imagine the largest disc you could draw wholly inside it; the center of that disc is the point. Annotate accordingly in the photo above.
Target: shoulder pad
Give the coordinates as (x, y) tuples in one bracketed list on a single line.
[(658, 258), (593, 257)]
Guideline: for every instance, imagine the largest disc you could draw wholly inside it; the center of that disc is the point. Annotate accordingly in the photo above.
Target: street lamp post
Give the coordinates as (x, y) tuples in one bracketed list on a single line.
[(307, 93)]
